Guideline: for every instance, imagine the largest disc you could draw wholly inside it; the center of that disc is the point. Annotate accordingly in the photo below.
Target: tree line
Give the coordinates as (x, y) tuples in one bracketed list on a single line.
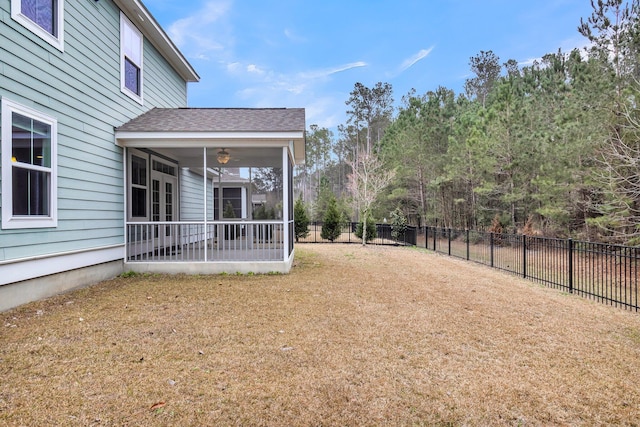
[(553, 146)]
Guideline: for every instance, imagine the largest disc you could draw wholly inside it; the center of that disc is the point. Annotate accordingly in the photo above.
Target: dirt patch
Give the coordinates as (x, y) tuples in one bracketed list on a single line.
[(353, 336)]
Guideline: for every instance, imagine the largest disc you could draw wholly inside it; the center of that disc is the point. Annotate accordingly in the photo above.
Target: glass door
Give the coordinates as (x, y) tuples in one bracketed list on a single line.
[(164, 204)]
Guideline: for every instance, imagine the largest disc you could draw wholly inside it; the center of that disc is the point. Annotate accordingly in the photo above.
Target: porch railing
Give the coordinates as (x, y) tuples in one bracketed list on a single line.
[(197, 241)]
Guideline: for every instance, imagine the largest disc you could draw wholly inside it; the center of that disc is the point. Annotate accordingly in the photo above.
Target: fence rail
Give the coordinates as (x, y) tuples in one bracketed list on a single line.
[(602, 272), (384, 235)]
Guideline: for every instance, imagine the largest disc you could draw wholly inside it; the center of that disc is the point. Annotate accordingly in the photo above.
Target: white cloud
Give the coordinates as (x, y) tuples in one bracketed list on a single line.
[(232, 67), (208, 34), (326, 72), (410, 62), (568, 45), (204, 31), (254, 69)]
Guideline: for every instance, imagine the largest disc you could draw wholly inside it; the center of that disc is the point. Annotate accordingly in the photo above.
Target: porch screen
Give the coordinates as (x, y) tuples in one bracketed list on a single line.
[(232, 196)]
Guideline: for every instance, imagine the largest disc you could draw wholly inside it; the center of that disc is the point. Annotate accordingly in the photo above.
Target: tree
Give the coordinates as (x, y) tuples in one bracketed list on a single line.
[(318, 149), (614, 31), (416, 143), (368, 178), (331, 226), (230, 231), (372, 108), (366, 229), (300, 219), (398, 224), (486, 67)]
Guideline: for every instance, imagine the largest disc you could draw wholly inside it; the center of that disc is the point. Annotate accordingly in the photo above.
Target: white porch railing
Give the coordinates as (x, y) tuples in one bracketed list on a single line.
[(197, 241)]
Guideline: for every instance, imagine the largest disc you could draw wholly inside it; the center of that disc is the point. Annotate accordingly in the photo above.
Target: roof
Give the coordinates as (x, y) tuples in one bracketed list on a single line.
[(218, 120), (145, 22)]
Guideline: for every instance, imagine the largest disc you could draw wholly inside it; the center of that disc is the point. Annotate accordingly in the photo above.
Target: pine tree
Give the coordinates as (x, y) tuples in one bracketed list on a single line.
[(231, 232), (371, 233), (300, 219), (331, 227)]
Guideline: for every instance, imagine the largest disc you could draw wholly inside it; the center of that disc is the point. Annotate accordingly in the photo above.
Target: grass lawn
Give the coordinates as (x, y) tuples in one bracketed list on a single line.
[(353, 336)]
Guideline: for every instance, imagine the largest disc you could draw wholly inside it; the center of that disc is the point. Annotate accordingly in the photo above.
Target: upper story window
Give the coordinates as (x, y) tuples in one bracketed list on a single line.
[(130, 59), (43, 17), (29, 181)]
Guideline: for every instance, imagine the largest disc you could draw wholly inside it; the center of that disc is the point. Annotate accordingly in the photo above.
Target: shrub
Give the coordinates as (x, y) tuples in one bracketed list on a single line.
[(231, 232), (331, 227), (300, 220), (398, 224), (371, 229)]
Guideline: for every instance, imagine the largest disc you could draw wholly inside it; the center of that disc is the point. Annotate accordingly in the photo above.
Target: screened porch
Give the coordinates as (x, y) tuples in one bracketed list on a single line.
[(209, 203)]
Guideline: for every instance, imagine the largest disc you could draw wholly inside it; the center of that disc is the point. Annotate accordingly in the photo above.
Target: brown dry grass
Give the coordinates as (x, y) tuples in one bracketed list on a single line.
[(353, 336)]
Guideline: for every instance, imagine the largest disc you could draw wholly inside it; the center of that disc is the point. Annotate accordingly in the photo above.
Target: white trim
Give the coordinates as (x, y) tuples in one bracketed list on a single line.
[(204, 139), (8, 220), (125, 24), (285, 199), (245, 202), (127, 191), (55, 41), (206, 217), (125, 175), (44, 265)]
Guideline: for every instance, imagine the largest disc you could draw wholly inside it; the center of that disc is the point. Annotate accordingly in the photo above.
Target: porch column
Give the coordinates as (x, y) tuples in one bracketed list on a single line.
[(285, 201), (125, 177), (206, 228)]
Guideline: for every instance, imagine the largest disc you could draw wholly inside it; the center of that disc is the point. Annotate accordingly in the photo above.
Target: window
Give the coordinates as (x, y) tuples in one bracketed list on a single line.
[(130, 59), (138, 186), (230, 196), (29, 181), (42, 17)]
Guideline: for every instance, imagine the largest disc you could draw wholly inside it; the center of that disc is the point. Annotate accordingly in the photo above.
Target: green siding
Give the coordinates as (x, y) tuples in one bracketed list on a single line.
[(80, 87)]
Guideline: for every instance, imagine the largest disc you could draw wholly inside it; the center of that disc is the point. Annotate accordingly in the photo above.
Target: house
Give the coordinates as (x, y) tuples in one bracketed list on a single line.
[(104, 168)]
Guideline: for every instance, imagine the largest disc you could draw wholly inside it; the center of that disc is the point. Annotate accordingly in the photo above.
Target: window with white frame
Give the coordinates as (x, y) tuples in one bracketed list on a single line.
[(130, 59), (43, 17), (29, 164), (139, 187)]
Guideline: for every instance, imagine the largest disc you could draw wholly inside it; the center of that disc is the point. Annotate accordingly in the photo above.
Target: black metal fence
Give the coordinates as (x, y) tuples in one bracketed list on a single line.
[(602, 272), (384, 235)]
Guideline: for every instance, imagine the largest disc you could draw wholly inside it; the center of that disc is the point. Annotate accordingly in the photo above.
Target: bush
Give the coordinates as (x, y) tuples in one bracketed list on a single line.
[(231, 232), (300, 220), (371, 229), (331, 227), (398, 224)]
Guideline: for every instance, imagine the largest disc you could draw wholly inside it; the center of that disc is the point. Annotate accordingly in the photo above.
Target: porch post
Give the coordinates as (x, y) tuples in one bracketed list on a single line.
[(125, 175), (285, 201), (206, 228)]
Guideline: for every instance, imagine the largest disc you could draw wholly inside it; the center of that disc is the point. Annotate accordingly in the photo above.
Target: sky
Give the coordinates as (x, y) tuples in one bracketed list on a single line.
[(310, 54)]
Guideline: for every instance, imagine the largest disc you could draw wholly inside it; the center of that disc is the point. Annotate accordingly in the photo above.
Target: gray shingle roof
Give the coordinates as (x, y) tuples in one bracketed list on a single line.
[(218, 120)]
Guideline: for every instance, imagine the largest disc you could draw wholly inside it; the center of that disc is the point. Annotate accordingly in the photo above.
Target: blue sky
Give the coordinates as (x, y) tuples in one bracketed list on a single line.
[(289, 53)]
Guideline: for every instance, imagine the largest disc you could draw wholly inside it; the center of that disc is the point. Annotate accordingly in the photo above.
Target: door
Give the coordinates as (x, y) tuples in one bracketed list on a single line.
[(164, 205)]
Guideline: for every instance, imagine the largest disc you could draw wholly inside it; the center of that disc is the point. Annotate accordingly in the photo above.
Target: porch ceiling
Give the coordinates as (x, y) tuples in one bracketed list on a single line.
[(240, 157)]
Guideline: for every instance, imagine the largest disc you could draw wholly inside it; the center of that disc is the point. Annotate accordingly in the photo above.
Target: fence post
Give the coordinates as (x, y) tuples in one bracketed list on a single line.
[(426, 237), (449, 238), (491, 247), (570, 247), (467, 231), (435, 230), (524, 256)]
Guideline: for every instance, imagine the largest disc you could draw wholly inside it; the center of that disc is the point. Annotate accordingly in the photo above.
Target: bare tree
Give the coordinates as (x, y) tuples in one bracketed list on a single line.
[(368, 178)]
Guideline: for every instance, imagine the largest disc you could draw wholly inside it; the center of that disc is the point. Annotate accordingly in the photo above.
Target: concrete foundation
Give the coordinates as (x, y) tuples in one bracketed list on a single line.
[(18, 293)]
